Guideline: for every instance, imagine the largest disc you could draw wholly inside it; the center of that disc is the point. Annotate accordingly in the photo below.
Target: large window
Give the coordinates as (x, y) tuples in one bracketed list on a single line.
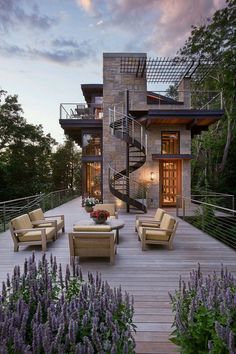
[(91, 144), (93, 179), (170, 143)]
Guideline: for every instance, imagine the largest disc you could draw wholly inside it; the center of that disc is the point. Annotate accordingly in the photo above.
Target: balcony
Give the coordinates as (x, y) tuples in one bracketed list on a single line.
[(81, 110)]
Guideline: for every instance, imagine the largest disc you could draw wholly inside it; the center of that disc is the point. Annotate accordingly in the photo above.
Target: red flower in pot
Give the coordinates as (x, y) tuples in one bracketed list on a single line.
[(99, 216)]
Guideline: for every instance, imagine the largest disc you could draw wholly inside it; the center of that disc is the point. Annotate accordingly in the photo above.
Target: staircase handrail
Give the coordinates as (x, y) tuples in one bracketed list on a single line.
[(131, 180), (115, 116)]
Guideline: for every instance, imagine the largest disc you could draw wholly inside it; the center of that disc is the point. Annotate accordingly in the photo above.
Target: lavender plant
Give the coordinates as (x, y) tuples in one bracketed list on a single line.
[(43, 312), (205, 314)]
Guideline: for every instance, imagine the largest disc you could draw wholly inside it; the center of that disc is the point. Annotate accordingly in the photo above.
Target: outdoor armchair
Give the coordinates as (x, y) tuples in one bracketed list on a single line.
[(151, 221), (92, 244), (23, 232), (160, 235), (38, 218), (110, 207)]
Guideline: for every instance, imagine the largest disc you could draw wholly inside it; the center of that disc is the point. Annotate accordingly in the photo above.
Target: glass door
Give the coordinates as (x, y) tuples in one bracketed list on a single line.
[(170, 181)]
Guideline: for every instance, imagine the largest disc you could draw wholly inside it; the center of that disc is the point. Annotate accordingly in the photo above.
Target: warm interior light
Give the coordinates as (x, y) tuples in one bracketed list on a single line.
[(152, 176)]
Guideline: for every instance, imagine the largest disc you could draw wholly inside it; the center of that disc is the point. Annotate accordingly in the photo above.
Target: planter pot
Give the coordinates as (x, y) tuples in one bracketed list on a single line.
[(99, 220), (89, 209)]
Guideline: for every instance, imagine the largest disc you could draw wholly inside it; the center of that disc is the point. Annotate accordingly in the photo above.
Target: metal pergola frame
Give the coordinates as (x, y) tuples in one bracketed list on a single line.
[(166, 70)]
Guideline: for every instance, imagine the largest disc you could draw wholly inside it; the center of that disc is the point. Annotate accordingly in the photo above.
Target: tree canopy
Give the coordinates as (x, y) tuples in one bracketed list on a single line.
[(28, 162), (213, 150)]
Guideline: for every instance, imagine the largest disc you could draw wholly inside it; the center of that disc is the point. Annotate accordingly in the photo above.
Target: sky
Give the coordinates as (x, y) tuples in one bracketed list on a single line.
[(48, 48)]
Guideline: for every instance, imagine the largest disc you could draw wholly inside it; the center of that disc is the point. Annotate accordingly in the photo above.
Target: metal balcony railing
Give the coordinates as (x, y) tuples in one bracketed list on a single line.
[(202, 100), (13, 208), (215, 220), (81, 111)]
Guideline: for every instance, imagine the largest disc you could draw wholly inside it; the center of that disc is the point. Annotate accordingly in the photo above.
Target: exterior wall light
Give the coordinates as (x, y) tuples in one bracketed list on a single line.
[(152, 176)]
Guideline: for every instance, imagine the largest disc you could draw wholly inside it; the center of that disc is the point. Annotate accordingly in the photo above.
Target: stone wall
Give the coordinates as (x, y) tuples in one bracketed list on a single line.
[(115, 85)]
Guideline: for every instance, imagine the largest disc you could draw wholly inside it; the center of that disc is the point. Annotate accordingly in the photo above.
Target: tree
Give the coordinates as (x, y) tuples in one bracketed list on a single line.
[(66, 166), (24, 152), (216, 42)]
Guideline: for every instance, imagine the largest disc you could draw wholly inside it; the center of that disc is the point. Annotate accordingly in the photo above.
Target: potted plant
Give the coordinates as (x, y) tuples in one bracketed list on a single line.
[(89, 203), (99, 216)]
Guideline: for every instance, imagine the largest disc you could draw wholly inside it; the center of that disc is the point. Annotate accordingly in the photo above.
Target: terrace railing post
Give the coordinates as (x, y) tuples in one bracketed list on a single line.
[(4, 217), (183, 208), (51, 200)]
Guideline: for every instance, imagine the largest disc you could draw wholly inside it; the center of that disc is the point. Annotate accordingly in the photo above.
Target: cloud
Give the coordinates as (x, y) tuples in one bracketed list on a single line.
[(160, 26), (14, 14), (86, 5), (76, 55)]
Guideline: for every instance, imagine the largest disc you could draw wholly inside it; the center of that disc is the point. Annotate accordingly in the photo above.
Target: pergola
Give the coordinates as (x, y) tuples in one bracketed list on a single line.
[(166, 70)]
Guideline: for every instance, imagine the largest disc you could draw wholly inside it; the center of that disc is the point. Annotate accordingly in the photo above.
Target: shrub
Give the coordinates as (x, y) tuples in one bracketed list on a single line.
[(43, 312), (205, 314)]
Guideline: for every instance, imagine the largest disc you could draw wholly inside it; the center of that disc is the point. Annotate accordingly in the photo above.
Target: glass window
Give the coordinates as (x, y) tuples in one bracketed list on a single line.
[(91, 144), (93, 179), (170, 143)]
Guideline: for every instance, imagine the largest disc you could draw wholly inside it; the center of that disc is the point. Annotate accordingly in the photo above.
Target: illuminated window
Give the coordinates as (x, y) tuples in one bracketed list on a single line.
[(91, 144), (170, 143), (93, 179)]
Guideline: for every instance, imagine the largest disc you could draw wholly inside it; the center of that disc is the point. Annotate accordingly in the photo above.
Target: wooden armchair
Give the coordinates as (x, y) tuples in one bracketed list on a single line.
[(110, 207), (159, 235), (38, 218), (23, 232), (151, 221), (92, 244)]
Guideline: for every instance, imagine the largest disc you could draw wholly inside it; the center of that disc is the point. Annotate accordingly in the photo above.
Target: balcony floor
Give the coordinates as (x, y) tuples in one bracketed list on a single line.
[(148, 276)]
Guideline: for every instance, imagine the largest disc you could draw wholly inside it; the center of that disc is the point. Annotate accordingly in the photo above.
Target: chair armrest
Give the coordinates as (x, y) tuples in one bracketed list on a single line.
[(54, 216), (26, 230), (149, 221), (38, 222), (138, 217), (157, 229)]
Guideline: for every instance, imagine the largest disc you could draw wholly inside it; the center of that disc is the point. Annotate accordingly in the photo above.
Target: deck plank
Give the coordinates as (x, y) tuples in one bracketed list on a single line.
[(149, 276)]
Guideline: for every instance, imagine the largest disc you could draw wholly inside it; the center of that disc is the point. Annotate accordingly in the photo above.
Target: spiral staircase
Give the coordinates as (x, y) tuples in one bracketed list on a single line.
[(121, 184)]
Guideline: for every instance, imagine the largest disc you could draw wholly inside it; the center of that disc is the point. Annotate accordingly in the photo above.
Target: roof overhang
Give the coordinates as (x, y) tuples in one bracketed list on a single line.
[(90, 90), (194, 120), (74, 127), (171, 157)]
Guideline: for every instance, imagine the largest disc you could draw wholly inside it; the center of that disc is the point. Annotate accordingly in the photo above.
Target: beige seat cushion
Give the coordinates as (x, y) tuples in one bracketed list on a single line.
[(111, 208), (60, 223), (99, 228), (36, 215), (157, 217), (21, 222), (37, 235)]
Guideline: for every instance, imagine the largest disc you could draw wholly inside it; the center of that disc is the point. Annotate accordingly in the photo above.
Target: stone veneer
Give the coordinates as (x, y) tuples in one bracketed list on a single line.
[(115, 85), (114, 150)]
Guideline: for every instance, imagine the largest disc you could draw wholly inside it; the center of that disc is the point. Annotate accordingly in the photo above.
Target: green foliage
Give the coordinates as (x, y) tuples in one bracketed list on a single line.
[(213, 152), (205, 314), (28, 163)]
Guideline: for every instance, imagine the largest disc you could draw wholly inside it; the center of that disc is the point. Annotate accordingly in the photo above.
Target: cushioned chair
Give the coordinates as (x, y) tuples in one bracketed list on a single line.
[(38, 218), (110, 207), (23, 232), (92, 244), (151, 221), (162, 235)]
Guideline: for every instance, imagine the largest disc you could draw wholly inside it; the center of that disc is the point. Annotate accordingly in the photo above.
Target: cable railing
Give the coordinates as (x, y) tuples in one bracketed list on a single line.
[(181, 99), (127, 125), (215, 220), (13, 208), (120, 182), (81, 111)]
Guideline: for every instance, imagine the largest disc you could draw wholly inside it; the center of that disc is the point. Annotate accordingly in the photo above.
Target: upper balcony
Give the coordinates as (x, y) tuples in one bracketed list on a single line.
[(81, 110)]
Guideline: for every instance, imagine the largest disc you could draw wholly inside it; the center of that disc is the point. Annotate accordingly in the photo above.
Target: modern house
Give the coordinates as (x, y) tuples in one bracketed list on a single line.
[(136, 143)]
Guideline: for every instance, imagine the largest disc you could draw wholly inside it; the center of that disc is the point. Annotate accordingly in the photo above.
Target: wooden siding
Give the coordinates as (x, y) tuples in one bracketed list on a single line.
[(148, 276)]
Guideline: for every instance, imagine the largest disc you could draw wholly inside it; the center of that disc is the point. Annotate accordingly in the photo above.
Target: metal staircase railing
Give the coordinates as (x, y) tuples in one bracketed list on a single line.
[(121, 185)]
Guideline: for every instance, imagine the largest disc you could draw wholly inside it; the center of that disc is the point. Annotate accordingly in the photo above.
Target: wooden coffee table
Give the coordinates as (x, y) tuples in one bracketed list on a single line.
[(115, 224)]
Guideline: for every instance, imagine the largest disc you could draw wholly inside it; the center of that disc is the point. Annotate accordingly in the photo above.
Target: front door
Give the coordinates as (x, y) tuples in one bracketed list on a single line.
[(170, 181)]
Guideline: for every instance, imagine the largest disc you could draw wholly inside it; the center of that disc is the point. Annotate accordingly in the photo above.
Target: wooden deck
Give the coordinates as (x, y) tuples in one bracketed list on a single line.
[(148, 276)]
